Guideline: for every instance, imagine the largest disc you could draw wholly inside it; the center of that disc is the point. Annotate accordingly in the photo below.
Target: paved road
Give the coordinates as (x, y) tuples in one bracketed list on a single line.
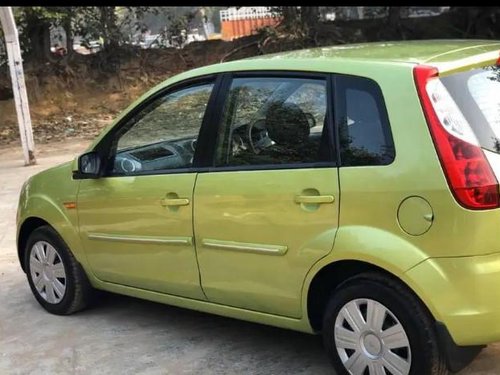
[(123, 335)]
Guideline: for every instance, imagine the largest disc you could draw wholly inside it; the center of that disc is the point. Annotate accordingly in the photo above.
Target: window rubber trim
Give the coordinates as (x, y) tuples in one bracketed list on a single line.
[(103, 148), (340, 102), (219, 108)]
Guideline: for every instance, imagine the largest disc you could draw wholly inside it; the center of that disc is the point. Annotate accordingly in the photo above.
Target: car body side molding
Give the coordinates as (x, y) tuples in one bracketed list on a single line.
[(246, 247)]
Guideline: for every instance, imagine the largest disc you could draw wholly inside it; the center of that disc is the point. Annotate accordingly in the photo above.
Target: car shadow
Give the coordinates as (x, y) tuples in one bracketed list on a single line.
[(234, 346)]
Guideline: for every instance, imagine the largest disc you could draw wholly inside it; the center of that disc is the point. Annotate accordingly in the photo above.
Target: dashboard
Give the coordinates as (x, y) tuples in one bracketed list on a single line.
[(158, 156)]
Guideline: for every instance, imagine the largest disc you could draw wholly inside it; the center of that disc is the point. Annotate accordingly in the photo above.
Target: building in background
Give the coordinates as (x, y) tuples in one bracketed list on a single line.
[(367, 12), (244, 21)]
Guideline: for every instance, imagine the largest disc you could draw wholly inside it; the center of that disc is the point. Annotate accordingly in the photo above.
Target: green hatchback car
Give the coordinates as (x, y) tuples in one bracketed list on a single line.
[(350, 191)]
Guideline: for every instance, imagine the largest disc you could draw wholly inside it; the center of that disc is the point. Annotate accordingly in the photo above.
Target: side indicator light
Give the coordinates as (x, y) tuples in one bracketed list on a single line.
[(69, 205)]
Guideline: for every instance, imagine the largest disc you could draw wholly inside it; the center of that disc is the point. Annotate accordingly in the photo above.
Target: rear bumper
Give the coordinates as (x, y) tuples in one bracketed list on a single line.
[(464, 294)]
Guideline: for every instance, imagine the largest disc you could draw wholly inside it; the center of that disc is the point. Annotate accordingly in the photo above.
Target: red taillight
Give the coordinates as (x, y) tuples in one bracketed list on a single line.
[(466, 168)]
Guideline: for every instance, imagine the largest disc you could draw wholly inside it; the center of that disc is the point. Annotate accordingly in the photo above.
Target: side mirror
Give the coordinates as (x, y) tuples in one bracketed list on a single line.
[(89, 166)]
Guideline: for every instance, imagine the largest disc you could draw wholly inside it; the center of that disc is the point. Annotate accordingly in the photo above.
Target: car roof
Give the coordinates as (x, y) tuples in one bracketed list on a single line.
[(446, 55), (413, 51)]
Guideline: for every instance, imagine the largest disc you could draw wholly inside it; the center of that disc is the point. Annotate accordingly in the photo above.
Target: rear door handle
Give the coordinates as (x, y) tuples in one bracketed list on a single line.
[(174, 202), (314, 199)]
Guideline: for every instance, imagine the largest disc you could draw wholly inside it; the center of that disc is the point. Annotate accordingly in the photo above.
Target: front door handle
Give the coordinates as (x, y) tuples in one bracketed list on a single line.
[(174, 202), (314, 199)]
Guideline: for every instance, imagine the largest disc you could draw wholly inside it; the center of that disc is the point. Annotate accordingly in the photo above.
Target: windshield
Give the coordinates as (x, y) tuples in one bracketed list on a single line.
[(477, 94)]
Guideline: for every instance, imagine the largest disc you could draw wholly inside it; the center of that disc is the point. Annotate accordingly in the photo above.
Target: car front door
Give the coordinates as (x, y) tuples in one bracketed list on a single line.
[(268, 209), (136, 221)]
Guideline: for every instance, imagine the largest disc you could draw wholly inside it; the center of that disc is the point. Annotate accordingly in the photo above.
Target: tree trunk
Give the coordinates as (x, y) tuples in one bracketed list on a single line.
[(394, 17), (361, 12), (109, 26), (477, 22), (290, 16), (204, 21), (309, 17), (39, 37), (47, 45), (69, 37)]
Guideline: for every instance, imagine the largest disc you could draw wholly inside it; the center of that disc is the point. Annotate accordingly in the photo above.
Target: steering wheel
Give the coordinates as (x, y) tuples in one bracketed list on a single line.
[(251, 126), (310, 119), (127, 165)]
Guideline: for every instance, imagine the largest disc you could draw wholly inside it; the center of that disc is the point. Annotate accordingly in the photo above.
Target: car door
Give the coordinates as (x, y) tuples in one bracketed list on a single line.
[(136, 221), (268, 209)]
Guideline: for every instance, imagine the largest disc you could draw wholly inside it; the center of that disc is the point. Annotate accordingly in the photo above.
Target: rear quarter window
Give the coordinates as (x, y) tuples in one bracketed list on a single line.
[(361, 116)]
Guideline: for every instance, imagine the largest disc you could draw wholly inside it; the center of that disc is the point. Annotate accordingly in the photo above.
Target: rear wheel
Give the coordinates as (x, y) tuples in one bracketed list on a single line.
[(373, 325), (57, 280)]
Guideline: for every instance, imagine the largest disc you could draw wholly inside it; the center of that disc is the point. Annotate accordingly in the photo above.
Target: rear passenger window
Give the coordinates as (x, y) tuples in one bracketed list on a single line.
[(274, 121), (364, 130)]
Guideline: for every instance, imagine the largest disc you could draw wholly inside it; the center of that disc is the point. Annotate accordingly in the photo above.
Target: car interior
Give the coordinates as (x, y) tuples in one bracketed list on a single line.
[(279, 132)]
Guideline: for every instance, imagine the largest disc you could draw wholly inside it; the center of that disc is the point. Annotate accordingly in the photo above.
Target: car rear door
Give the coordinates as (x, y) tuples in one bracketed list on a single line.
[(268, 208)]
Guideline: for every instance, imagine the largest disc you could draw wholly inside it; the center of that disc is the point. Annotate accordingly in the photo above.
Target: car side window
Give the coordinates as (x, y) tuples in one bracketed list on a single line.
[(364, 129), (273, 120), (162, 135)]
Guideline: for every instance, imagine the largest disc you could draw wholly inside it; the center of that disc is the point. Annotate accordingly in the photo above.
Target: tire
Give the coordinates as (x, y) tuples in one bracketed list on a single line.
[(365, 350), (51, 266)]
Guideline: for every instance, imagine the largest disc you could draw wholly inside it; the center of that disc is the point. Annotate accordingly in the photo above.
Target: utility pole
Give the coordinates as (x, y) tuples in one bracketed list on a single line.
[(18, 84)]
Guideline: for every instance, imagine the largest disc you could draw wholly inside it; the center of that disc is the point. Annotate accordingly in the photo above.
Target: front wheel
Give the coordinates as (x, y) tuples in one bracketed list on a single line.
[(57, 280), (373, 325)]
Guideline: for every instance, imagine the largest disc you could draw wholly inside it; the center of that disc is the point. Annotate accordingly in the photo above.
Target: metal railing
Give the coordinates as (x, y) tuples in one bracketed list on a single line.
[(233, 14)]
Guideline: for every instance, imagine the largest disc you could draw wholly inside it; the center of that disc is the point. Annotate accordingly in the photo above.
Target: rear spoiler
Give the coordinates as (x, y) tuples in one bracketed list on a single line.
[(468, 63)]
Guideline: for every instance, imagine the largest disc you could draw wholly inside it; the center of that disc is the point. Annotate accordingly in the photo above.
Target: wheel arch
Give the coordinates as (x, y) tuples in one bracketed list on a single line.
[(331, 275), (27, 227), (44, 211)]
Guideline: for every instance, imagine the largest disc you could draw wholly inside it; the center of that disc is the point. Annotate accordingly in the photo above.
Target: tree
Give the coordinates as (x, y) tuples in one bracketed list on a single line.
[(112, 24), (35, 23), (309, 18), (98, 22), (479, 22), (394, 17), (107, 22), (300, 20)]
